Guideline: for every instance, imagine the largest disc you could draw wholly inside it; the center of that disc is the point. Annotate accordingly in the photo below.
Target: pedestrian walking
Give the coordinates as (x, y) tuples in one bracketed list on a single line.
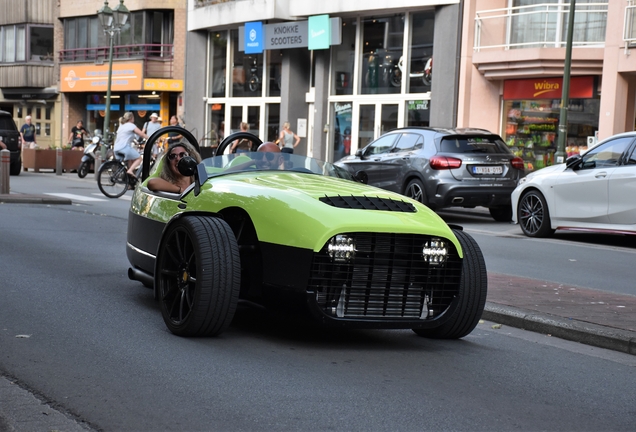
[(76, 138), (153, 125), (27, 134), (242, 145)]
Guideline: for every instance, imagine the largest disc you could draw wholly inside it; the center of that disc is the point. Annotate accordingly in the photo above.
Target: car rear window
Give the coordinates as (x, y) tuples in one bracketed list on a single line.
[(6, 123), (488, 145)]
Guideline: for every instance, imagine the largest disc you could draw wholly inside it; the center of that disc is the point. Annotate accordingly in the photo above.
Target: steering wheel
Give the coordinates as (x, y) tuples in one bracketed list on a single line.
[(256, 141)]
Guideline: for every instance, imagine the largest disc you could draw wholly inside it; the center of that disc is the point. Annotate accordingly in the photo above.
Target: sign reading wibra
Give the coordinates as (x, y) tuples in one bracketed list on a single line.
[(318, 33), (548, 88)]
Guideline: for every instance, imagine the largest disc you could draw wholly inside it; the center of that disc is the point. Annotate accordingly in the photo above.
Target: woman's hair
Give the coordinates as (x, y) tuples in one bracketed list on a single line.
[(126, 117), (286, 125), (166, 174)]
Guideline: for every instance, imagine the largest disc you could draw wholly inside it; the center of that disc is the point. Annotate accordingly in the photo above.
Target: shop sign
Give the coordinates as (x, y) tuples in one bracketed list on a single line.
[(101, 107), (319, 32), (548, 88), (294, 34), (417, 105), (254, 37), (163, 84), (94, 78), (142, 107)]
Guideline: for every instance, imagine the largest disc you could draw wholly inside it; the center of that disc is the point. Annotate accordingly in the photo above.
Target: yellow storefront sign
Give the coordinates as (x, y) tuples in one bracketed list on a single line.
[(163, 84), (94, 78)]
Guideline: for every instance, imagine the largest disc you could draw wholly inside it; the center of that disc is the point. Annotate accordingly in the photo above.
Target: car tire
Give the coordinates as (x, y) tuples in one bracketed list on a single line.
[(82, 171), (15, 167), (501, 214), (415, 190), (198, 276), (471, 300), (533, 215)]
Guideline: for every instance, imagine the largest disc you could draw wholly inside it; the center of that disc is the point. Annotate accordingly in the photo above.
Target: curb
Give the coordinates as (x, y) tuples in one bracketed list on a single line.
[(32, 199), (569, 329)]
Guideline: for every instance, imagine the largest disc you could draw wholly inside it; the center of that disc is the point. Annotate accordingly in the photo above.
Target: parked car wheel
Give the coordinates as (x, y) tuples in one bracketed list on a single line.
[(472, 294), (415, 189), (533, 215), (501, 214), (198, 276)]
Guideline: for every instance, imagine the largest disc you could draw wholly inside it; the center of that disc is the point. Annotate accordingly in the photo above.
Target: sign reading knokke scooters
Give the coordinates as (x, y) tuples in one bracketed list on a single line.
[(318, 33)]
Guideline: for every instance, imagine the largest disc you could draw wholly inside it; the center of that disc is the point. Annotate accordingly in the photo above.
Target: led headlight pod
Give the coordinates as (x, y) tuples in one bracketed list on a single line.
[(435, 251), (341, 248)]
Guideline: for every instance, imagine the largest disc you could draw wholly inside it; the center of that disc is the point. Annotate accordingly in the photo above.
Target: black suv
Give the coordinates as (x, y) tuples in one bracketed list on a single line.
[(11, 137), (442, 167)]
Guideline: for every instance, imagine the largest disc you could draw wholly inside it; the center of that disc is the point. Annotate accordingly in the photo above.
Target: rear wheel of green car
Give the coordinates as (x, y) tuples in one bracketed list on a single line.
[(471, 299), (198, 276)]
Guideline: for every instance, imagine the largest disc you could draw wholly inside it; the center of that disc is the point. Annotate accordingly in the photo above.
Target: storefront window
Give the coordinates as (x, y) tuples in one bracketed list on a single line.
[(215, 134), (273, 121), (421, 53), (417, 113), (343, 59), (382, 47), (531, 128), (342, 112), (218, 53), (274, 68), (247, 72)]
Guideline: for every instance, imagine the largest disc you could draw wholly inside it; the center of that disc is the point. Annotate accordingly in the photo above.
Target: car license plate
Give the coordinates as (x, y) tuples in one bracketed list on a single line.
[(487, 170)]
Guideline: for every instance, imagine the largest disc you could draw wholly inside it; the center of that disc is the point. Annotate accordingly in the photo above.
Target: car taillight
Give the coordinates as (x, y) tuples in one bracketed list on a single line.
[(444, 162), (517, 163)]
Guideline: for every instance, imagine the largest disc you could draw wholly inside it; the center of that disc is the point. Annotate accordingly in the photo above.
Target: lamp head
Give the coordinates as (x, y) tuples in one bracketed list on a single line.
[(105, 15), (121, 14)]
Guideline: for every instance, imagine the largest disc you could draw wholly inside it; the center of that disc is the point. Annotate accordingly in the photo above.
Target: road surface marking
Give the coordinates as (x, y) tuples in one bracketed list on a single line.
[(74, 197)]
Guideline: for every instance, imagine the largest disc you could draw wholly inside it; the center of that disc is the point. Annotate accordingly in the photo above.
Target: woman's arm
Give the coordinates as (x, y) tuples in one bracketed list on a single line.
[(297, 140), (159, 184), (140, 133)]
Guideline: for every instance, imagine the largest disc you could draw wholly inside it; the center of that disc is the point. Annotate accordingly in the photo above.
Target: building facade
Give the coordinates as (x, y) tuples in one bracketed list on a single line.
[(28, 81), (512, 66), (148, 63), (341, 73)]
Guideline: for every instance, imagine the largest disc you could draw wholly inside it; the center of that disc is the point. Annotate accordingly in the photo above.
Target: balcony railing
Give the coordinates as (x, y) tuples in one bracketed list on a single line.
[(629, 30), (158, 58), (540, 26), (201, 3)]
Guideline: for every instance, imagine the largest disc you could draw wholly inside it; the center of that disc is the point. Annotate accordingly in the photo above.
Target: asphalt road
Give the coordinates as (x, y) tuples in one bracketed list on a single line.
[(91, 343)]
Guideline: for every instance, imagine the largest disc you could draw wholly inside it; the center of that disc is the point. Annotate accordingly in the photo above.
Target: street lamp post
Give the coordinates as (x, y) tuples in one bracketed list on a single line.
[(560, 154), (112, 21)]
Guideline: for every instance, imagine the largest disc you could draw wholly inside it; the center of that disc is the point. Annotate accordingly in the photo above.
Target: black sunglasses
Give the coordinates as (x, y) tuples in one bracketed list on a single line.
[(173, 156)]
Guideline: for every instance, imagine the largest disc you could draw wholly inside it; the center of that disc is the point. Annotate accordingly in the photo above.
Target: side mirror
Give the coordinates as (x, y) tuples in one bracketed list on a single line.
[(362, 177), (574, 161), (187, 166), (359, 153)]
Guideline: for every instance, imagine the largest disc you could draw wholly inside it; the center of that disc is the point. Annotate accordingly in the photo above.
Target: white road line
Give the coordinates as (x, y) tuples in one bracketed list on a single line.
[(74, 197), (123, 197)]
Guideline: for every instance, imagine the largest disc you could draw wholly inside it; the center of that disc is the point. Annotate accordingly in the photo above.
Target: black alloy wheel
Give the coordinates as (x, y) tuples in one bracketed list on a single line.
[(415, 190), (112, 179), (471, 300), (198, 276), (533, 215)]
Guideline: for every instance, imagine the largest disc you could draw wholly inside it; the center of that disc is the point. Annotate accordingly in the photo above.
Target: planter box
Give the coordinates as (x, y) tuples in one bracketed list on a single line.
[(37, 159)]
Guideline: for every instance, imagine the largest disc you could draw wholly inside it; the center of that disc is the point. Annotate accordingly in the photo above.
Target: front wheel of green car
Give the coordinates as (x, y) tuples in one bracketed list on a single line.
[(198, 276), (473, 288)]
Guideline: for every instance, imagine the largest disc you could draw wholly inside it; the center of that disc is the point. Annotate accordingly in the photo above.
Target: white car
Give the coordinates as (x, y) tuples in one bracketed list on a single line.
[(593, 192)]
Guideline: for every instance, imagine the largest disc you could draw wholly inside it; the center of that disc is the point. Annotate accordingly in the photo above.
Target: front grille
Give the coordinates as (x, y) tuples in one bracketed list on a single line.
[(387, 278), (368, 203)]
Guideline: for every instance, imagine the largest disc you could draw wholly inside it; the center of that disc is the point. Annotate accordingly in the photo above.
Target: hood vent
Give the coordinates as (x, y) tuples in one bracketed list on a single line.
[(368, 203)]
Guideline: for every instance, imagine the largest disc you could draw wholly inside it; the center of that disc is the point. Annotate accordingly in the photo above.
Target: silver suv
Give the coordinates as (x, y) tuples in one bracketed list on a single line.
[(11, 137), (442, 168)]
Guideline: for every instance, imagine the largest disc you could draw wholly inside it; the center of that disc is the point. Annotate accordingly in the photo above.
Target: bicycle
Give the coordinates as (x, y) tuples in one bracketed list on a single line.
[(113, 179)]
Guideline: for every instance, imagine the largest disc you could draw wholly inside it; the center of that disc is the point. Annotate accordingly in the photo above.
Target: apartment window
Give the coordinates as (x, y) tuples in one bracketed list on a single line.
[(21, 43), (83, 32), (544, 23)]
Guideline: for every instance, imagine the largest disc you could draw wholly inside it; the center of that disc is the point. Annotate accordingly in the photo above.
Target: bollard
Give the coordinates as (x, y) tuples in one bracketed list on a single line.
[(97, 163), (58, 161), (5, 162)]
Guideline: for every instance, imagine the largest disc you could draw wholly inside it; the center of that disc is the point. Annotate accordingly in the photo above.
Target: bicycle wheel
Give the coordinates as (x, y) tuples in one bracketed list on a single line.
[(112, 179)]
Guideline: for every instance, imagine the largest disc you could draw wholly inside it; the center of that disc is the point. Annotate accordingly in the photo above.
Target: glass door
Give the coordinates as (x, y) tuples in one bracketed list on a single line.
[(375, 120)]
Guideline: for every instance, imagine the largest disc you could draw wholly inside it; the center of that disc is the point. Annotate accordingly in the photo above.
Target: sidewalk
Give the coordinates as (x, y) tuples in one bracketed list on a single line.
[(592, 317)]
